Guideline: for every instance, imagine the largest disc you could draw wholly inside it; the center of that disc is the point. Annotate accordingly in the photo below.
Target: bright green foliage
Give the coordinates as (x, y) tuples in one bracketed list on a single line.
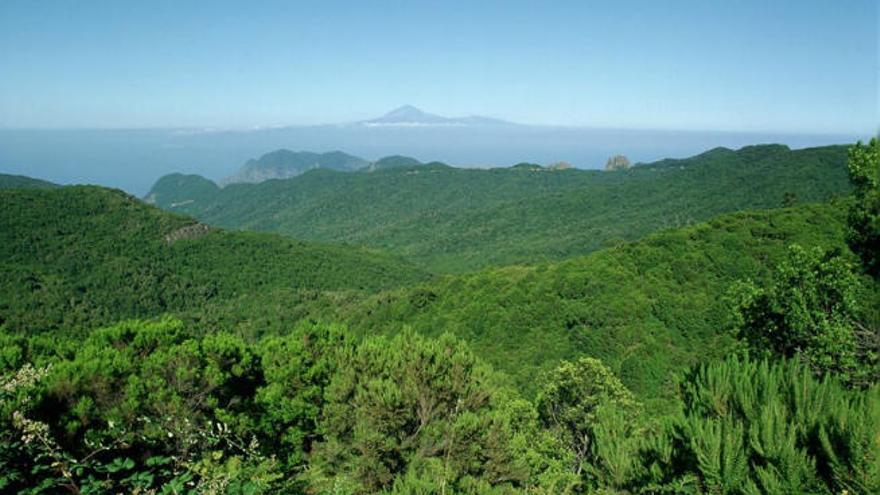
[(422, 412), (851, 445), (297, 368), (810, 309), (288, 367), (864, 220), (592, 413), (453, 220), (647, 309), (759, 428)]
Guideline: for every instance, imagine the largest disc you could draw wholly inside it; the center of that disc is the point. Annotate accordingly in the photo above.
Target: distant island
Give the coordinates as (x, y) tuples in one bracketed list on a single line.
[(410, 116), (286, 164)]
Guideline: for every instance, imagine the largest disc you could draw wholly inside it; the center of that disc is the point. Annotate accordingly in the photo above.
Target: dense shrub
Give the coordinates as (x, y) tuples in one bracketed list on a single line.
[(759, 427)]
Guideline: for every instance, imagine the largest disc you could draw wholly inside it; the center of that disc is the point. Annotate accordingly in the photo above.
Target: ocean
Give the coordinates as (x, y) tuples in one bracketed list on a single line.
[(133, 159)]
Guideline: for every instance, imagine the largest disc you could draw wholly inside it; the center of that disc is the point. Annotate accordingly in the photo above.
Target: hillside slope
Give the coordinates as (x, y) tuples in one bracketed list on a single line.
[(452, 219), (9, 181), (83, 256), (283, 164), (648, 309)]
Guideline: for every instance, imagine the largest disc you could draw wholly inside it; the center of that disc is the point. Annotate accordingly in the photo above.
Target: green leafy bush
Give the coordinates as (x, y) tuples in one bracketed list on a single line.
[(810, 310), (409, 411), (864, 219)]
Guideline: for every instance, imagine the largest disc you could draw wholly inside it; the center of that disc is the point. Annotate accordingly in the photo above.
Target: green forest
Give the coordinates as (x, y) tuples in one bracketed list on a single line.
[(451, 220), (709, 325)]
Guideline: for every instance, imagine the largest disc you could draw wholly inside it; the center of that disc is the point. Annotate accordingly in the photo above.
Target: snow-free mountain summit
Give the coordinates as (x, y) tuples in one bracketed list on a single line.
[(410, 116)]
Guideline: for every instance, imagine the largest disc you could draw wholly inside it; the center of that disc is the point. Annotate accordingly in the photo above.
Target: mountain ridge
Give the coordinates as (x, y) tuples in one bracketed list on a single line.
[(12, 181), (75, 252), (410, 116), (455, 219), (284, 164)]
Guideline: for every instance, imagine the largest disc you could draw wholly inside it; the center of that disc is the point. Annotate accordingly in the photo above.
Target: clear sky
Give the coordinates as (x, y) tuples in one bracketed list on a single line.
[(799, 66)]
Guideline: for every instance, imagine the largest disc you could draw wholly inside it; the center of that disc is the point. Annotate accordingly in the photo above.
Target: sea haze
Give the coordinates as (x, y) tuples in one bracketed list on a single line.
[(132, 159)]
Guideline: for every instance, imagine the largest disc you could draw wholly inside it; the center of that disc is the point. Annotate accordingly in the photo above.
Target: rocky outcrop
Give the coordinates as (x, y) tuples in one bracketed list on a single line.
[(617, 162), (559, 166), (193, 231)]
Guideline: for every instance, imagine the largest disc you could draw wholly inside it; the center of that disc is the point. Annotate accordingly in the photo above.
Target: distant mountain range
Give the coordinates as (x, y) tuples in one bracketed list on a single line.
[(453, 219), (9, 181), (284, 164), (410, 116), (132, 159)]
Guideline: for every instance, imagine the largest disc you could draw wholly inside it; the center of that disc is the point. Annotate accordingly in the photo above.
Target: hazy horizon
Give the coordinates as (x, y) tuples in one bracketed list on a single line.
[(134, 159), (785, 66), (328, 123), (120, 93), (647, 262)]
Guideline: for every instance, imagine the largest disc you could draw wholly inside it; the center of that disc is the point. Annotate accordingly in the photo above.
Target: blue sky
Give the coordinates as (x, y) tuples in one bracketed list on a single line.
[(796, 66)]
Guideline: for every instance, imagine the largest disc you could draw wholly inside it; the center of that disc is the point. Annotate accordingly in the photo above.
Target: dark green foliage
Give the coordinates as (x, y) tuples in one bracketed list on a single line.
[(134, 370), (395, 161), (8, 181), (864, 220), (197, 187), (452, 220), (527, 167), (811, 310), (281, 164), (75, 257), (138, 406), (754, 427)]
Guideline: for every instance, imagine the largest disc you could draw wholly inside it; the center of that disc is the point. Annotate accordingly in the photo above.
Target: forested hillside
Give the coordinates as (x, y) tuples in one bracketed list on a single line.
[(648, 309), (636, 251), (144, 352), (282, 164), (82, 256), (8, 181), (451, 219)]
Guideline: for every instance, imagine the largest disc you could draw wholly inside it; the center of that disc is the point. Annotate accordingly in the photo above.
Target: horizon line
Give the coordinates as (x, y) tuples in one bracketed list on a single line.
[(207, 129)]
